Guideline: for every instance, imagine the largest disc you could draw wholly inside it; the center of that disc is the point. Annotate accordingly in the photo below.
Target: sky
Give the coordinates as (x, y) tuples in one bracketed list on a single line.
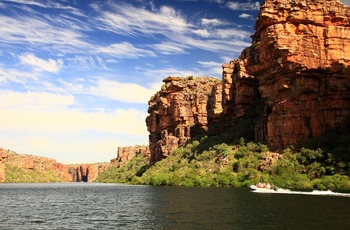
[(76, 75)]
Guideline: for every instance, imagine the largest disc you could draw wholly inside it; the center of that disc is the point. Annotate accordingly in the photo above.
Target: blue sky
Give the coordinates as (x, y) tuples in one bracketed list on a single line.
[(76, 75)]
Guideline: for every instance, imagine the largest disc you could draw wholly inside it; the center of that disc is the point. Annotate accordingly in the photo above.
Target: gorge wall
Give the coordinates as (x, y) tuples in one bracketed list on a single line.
[(180, 111), (86, 172), (42, 169), (298, 65), (300, 57)]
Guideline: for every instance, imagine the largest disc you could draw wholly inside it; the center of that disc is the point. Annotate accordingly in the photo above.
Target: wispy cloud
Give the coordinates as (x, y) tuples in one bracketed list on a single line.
[(17, 76), (170, 48), (123, 19), (41, 65), (39, 33), (213, 22), (247, 16), (243, 5), (124, 50)]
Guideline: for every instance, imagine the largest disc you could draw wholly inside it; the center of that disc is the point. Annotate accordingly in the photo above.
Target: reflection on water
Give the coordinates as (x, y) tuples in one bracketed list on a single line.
[(109, 206)]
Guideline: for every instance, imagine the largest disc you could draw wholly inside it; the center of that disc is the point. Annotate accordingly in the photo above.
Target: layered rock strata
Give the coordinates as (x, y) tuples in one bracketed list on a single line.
[(125, 154), (86, 172), (298, 65), (179, 111), (300, 57), (27, 162)]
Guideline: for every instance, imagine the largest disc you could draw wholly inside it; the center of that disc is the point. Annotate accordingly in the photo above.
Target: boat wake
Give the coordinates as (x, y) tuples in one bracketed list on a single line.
[(314, 192)]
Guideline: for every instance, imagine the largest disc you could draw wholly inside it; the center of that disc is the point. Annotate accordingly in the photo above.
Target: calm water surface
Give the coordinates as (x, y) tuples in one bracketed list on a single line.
[(109, 206)]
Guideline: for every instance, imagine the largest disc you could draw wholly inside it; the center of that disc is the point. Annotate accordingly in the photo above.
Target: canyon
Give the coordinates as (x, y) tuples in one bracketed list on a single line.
[(297, 68), (42, 169)]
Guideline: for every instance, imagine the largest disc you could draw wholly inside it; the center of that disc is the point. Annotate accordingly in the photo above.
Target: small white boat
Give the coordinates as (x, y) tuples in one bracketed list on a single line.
[(267, 189)]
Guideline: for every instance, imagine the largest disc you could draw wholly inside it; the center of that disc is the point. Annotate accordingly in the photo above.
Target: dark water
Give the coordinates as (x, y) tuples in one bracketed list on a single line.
[(107, 206)]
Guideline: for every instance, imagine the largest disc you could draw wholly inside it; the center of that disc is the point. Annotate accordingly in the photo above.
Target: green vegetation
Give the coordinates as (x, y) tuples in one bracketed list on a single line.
[(224, 158), (16, 175), (126, 174)]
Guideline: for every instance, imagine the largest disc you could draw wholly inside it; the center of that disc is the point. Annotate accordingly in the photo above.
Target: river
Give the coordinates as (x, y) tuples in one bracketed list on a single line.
[(110, 206)]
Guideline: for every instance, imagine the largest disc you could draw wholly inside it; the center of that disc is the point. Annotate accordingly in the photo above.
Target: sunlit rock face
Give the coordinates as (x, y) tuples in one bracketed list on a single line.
[(298, 65), (179, 111), (32, 163), (300, 57), (125, 154)]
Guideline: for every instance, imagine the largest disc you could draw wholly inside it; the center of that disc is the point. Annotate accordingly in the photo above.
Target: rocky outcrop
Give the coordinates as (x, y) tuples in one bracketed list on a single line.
[(179, 111), (4, 154), (300, 59), (86, 172), (125, 154)]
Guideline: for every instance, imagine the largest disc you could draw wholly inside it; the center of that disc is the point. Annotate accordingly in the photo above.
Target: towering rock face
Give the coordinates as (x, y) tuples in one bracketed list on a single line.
[(239, 90), (298, 65), (300, 58), (179, 111)]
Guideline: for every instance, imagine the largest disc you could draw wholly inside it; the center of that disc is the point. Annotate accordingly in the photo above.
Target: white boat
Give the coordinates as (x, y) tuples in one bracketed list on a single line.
[(264, 189)]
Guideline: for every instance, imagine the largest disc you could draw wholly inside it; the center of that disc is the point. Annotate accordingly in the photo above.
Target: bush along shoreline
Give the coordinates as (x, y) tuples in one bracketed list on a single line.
[(239, 165)]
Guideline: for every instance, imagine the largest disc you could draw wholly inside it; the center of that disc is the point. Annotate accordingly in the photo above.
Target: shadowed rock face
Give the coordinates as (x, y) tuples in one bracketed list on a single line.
[(86, 172), (300, 56)]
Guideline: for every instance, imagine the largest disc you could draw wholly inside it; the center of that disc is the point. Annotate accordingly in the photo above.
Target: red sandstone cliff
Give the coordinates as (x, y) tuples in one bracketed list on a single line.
[(125, 154), (300, 57), (298, 64), (86, 172), (179, 111), (28, 163)]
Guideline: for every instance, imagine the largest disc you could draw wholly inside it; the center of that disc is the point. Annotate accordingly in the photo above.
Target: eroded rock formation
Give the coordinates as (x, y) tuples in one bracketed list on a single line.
[(179, 111), (300, 56), (86, 172), (125, 154), (298, 65)]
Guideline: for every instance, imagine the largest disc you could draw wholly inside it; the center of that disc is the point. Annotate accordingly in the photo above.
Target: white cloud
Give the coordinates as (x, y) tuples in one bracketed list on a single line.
[(124, 92), (244, 15), (42, 123), (41, 65), (11, 100), (36, 31), (202, 32), (126, 19), (14, 75), (170, 48), (243, 5), (124, 50), (212, 22)]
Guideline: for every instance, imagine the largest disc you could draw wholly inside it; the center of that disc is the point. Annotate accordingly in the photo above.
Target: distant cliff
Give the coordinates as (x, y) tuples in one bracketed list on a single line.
[(125, 154), (298, 66), (16, 167), (86, 172)]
